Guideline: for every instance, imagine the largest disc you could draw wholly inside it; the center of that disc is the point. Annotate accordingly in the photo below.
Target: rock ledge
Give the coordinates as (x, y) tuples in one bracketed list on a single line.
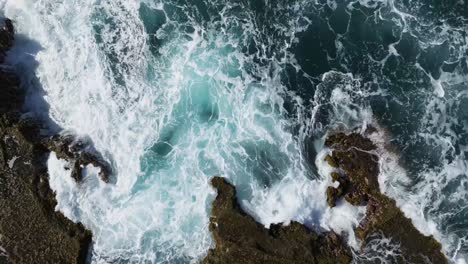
[(239, 239)]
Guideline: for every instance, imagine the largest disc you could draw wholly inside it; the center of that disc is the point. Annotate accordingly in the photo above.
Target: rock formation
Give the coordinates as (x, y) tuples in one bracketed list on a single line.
[(31, 231), (239, 239), (79, 154), (354, 157)]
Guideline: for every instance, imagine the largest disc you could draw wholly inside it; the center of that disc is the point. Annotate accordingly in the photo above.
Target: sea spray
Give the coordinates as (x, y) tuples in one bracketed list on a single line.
[(173, 93), (168, 122)]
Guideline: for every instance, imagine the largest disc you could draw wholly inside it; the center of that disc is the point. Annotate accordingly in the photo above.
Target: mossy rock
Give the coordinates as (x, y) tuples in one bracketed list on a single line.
[(331, 161), (240, 239), (355, 156), (31, 231), (335, 176)]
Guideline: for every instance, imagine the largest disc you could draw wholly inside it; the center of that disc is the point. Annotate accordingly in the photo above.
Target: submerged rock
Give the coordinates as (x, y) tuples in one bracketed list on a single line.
[(240, 239), (31, 231), (355, 157)]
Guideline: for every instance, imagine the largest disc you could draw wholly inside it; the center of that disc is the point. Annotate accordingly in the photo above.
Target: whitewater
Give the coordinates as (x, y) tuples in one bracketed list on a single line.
[(174, 92)]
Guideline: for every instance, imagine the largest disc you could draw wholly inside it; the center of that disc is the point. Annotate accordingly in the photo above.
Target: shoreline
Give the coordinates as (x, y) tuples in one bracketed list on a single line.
[(30, 216), (31, 230)]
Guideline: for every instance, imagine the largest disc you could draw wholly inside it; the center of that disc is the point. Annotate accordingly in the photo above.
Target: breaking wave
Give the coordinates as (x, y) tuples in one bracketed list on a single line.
[(173, 93)]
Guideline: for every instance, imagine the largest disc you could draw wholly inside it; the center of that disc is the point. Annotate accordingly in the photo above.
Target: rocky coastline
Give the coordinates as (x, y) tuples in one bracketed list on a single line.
[(31, 231), (239, 239), (357, 171)]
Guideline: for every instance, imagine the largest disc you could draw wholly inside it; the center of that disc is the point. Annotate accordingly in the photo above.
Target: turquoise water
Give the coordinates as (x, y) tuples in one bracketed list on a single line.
[(175, 92)]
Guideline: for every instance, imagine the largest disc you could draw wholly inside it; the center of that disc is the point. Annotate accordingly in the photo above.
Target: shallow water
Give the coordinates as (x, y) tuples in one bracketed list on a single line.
[(172, 93)]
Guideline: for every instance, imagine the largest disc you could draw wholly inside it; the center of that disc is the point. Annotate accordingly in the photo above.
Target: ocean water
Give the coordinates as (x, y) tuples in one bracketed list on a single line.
[(174, 92)]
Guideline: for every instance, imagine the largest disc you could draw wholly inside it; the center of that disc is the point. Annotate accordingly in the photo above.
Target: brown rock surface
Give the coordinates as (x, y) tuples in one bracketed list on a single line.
[(355, 157), (30, 229), (239, 239)]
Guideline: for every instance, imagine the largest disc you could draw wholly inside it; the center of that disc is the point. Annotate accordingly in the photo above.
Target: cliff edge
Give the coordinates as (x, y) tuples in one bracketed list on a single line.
[(31, 231)]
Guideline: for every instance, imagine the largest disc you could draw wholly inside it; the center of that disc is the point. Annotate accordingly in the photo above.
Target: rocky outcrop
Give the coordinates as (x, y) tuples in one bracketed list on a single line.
[(354, 157), (79, 153), (31, 231), (239, 239)]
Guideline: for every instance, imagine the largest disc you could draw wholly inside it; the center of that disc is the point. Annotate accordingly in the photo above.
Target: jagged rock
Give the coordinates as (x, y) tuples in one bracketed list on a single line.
[(79, 153), (239, 239), (335, 176), (77, 171), (31, 231), (332, 196), (329, 159), (354, 156)]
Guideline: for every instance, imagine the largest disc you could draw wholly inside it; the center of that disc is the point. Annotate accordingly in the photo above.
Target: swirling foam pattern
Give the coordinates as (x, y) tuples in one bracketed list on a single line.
[(173, 92)]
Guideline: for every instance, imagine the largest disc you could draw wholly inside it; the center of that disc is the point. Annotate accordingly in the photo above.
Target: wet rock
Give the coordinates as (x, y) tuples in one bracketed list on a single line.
[(240, 239), (332, 196), (335, 176), (355, 157), (329, 159), (80, 153), (31, 231), (77, 171), (7, 36)]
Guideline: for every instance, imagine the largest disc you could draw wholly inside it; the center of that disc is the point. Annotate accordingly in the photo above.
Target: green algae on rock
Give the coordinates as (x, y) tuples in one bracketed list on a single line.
[(31, 231), (240, 239), (355, 158)]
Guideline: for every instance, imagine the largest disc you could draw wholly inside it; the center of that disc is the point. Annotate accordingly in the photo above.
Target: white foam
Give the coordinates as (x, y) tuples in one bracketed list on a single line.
[(392, 181), (12, 161), (344, 217), (158, 209)]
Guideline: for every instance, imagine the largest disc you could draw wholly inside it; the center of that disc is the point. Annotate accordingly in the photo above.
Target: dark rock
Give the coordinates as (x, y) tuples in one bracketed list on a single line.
[(329, 159), (355, 157), (7, 36), (335, 176), (80, 153), (76, 172), (31, 231), (239, 239), (332, 196)]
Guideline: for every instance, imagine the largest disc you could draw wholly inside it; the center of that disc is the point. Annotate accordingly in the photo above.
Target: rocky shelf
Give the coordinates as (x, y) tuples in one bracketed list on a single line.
[(239, 239), (31, 231), (357, 167)]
